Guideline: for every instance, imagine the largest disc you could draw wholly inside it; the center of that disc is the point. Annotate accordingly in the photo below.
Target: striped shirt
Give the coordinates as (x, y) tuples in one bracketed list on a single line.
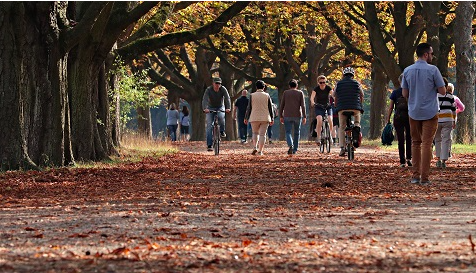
[(447, 108)]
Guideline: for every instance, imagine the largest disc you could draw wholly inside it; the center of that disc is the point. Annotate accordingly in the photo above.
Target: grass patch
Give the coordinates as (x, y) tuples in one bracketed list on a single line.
[(133, 149), (456, 147), (463, 148)]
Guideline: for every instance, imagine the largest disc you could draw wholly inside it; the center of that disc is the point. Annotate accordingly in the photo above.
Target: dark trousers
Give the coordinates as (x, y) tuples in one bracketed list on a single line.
[(270, 132), (404, 138), (242, 129)]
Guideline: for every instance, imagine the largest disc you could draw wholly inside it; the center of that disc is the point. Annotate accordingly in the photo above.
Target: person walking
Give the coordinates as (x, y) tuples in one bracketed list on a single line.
[(260, 114), (401, 122), (292, 112), (270, 127), (173, 117), (446, 124), (215, 98), (349, 96), (185, 124), (421, 83), (239, 112), (320, 101)]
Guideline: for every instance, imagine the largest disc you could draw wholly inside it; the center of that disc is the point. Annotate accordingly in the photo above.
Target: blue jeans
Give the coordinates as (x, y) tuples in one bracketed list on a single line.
[(210, 119), (291, 123), (173, 132)]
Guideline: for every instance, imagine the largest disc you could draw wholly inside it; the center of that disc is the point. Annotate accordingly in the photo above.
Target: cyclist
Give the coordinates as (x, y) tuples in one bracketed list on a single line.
[(349, 96), (215, 98), (320, 100)]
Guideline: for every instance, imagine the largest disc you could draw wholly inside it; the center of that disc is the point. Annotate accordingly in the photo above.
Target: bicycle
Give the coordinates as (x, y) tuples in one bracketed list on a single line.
[(216, 137), (349, 138), (325, 131)]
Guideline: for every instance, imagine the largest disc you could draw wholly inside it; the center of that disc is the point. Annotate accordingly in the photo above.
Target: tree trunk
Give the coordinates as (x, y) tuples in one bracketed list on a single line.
[(465, 72), (13, 149), (33, 90), (377, 100), (144, 123), (198, 120)]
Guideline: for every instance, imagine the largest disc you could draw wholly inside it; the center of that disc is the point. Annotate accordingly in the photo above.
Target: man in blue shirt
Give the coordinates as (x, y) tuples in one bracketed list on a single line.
[(215, 98), (421, 84)]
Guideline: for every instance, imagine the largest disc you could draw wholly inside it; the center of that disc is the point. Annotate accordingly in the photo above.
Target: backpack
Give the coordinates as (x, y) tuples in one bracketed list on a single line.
[(387, 134), (401, 109), (275, 109)]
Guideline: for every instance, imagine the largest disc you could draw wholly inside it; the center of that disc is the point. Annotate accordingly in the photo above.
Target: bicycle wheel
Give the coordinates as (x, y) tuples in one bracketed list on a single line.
[(216, 139), (350, 148), (327, 133), (321, 141)]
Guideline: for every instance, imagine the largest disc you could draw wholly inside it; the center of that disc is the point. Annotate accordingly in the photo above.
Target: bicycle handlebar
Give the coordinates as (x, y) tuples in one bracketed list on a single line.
[(325, 107)]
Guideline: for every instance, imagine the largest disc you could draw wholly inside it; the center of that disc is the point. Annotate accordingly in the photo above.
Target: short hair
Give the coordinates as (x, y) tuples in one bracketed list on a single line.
[(293, 83), (172, 106), (450, 88), (422, 49), (321, 77), (260, 84)]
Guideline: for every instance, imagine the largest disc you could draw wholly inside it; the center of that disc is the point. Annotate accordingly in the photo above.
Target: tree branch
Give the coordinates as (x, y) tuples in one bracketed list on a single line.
[(144, 46)]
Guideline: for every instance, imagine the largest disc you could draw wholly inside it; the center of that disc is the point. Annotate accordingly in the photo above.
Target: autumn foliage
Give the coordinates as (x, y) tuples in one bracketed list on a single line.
[(192, 211)]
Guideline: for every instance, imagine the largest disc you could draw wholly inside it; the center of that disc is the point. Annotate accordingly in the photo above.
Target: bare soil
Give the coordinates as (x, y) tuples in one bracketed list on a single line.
[(196, 212)]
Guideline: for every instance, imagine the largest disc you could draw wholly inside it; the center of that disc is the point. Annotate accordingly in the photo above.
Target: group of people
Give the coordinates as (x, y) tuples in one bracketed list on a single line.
[(176, 119), (260, 110), (424, 112)]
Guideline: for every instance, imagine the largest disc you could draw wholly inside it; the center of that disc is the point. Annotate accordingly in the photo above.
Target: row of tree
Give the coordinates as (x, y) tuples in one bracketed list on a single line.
[(56, 91), (282, 40)]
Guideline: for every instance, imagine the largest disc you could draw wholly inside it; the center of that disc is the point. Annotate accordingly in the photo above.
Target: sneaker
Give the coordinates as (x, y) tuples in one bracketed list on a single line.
[(443, 164), (415, 181), (209, 148), (425, 182), (402, 165), (270, 142), (290, 151), (260, 153), (223, 134), (254, 152), (409, 163), (438, 164), (342, 151)]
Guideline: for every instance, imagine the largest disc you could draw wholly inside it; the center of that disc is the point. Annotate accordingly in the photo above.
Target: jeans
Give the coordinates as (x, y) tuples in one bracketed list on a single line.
[(443, 139), (404, 137), (291, 123), (172, 131), (423, 133), (210, 119), (242, 129)]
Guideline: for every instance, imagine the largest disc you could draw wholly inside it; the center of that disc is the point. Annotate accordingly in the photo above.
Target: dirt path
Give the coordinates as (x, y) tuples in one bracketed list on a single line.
[(196, 212)]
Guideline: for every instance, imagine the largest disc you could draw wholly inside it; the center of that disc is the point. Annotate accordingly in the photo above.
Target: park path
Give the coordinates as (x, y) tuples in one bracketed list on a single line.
[(196, 212)]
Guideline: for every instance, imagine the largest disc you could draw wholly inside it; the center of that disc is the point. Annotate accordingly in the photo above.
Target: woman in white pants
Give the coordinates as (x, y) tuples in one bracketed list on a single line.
[(260, 114)]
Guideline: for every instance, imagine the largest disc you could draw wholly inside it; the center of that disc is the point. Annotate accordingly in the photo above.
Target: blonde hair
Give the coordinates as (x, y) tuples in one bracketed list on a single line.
[(172, 106), (450, 88), (321, 77)]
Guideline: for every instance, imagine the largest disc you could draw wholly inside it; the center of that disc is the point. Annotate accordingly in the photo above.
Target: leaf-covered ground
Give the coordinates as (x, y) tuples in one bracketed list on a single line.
[(196, 212)]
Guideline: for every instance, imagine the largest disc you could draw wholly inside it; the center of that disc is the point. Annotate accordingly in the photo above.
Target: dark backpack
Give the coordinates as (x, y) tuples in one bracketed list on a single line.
[(401, 108), (387, 134)]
